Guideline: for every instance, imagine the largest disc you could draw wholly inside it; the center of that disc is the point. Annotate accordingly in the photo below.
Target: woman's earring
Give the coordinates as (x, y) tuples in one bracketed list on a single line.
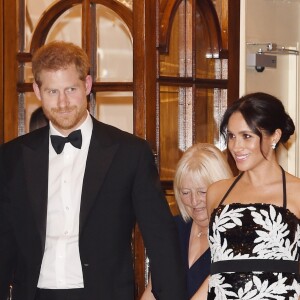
[(273, 145)]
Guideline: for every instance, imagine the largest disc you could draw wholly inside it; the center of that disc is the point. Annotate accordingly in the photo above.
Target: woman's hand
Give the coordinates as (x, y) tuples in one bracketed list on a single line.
[(147, 295)]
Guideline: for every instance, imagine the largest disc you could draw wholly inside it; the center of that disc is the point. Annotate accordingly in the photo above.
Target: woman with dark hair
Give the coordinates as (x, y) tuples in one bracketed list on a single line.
[(254, 228)]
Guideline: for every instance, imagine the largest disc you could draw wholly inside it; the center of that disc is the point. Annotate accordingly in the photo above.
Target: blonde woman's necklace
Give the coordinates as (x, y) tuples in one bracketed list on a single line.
[(199, 234)]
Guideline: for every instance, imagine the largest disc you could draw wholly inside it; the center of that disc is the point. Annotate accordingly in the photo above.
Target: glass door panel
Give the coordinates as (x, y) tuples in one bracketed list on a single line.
[(169, 63), (220, 105), (27, 69), (206, 44), (204, 51), (114, 47), (33, 12), (115, 108), (221, 7), (210, 105), (177, 62), (169, 129), (193, 82), (68, 26), (185, 120)]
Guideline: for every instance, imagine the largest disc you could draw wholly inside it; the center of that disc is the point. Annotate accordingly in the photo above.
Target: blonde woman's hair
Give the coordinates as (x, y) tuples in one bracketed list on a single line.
[(206, 164)]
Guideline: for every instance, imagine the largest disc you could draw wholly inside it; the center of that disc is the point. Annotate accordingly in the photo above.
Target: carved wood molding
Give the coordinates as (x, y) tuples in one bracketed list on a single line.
[(168, 10), (58, 8)]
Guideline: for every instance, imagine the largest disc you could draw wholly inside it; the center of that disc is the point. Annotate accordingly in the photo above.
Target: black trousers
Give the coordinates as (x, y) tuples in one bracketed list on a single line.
[(56, 294)]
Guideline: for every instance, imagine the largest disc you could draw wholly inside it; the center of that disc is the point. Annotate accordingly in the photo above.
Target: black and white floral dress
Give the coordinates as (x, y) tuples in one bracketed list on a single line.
[(255, 251)]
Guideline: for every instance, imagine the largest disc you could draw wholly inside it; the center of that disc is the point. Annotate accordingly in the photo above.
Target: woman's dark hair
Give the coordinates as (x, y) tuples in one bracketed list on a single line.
[(261, 111), (37, 119)]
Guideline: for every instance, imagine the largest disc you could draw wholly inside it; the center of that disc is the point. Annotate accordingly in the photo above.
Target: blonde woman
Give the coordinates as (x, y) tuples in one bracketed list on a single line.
[(200, 166)]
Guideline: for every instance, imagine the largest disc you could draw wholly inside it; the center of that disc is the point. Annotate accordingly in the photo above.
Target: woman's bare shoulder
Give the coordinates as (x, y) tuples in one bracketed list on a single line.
[(293, 183), (222, 182), (293, 192), (216, 192)]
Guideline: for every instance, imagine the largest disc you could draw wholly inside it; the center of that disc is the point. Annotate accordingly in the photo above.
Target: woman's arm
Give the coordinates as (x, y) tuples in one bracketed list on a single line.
[(147, 295)]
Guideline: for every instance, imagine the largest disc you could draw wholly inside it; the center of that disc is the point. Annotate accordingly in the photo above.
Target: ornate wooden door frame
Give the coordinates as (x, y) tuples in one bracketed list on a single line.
[(150, 29)]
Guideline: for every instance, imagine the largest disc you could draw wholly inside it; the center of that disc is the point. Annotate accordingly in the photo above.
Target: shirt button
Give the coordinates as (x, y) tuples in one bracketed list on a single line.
[(66, 232)]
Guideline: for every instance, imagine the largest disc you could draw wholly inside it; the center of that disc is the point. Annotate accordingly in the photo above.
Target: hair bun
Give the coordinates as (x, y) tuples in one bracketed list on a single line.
[(288, 129)]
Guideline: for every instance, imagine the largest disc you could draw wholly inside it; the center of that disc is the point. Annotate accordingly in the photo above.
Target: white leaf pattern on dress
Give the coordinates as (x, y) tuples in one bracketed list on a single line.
[(221, 288), (228, 219), (271, 235), (262, 290), (272, 242)]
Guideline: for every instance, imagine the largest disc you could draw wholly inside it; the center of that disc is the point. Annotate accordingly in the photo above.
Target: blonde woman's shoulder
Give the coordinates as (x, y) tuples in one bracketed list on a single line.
[(216, 192)]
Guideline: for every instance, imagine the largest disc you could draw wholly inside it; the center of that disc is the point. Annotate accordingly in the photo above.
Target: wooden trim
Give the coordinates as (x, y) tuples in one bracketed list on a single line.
[(233, 60), (47, 20), (167, 11), (88, 32), (123, 11), (58, 8), (210, 16), (189, 82), (10, 96), (24, 57), (144, 72), (144, 104), (112, 86), (233, 50), (97, 87)]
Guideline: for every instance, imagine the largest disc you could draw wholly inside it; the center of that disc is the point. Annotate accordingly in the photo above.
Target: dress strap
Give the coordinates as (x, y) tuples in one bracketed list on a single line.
[(231, 187), (283, 187), (239, 177)]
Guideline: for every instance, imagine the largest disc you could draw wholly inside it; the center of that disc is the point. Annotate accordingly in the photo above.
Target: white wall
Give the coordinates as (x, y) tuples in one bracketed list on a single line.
[(274, 21)]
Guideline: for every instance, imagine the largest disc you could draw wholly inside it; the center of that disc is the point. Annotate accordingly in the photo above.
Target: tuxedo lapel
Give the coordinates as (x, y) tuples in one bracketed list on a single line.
[(100, 156), (36, 161)]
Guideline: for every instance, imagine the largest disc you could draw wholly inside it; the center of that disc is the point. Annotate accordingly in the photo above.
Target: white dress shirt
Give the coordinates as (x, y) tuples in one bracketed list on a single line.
[(61, 265)]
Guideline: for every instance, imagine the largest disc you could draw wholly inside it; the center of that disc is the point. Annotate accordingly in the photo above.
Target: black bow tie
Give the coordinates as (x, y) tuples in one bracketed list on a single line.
[(58, 142)]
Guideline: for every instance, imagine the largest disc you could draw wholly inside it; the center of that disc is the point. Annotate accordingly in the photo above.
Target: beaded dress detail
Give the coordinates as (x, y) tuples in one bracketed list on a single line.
[(255, 251)]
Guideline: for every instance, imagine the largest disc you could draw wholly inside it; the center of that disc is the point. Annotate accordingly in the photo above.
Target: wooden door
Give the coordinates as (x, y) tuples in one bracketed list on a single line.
[(197, 76), (182, 62)]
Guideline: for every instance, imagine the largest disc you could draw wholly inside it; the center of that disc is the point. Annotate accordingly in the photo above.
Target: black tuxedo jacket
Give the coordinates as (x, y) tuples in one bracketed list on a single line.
[(120, 186)]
